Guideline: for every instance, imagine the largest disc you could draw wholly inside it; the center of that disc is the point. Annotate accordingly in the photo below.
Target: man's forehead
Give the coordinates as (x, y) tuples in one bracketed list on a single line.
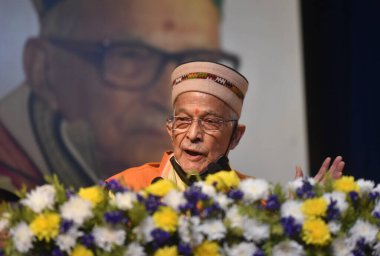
[(141, 19), (200, 103)]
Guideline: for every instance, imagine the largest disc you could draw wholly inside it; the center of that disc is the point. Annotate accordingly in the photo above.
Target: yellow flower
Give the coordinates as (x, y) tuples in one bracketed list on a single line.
[(346, 184), (315, 207), (316, 232), (224, 180), (93, 194), (80, 250), (207, 248), (45, 226), (166, 218), (167, 251), (161, 187)]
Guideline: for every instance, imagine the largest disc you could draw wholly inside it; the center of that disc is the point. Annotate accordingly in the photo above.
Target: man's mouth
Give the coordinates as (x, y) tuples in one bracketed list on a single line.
[(194, 155)]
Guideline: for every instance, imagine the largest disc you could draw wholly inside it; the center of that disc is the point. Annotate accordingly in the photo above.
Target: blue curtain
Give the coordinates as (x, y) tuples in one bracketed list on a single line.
[(341, 40)]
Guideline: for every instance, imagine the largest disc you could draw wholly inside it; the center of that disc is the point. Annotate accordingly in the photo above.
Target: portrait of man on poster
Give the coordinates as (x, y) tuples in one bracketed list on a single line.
[(97, 88)]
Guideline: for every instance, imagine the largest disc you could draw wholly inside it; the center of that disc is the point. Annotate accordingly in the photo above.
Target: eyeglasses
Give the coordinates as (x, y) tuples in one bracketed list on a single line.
[(135, 66), (182, 124)]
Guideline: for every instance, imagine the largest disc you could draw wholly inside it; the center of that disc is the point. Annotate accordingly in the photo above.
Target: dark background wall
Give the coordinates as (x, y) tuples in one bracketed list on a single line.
[(341, 40)]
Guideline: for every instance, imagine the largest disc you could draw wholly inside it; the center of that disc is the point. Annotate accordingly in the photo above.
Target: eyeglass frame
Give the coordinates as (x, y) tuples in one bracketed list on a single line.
[(97, 56), (200, 121)]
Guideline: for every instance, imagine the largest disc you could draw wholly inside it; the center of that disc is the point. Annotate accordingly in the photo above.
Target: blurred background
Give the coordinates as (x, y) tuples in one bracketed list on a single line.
[(314, 84)]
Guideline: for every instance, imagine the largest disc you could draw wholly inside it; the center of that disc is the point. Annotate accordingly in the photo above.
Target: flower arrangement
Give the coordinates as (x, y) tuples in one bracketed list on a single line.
[(219, 216)]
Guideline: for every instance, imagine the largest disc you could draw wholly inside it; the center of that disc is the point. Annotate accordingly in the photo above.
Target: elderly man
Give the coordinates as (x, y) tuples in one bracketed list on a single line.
[(207, 100), (96, 93)]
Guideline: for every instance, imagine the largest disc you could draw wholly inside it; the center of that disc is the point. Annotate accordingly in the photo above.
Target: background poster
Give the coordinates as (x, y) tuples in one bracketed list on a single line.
[(265, 35)]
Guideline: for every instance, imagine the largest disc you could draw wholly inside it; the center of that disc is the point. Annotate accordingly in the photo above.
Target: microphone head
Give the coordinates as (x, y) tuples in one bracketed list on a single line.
[(156, 179)]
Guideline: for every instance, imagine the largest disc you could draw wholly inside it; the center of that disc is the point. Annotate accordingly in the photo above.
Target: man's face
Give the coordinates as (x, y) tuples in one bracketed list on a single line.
[(129, 125), (195, 148)]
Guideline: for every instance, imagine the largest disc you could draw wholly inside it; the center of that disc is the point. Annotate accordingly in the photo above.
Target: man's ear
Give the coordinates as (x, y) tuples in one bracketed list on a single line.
[(169, 129), (239, 132), (36, 70)]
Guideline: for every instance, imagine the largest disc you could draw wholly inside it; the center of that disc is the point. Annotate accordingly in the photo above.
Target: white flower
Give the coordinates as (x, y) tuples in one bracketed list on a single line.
[(196, 236), (340, 199), (184, 228), (341, 247), (292, 186), (288, 248), (363, 229), (292, 208), (213, 229), (67, 241), (376, 208), (206, 189), (76, 209), (254, 189), (334, 227), (40, 198), (243, 248), (106, 237), (254, 230), (365, 186), (22, 237), (376, 249), (134, 249), (144, 230), (235, 218), (174, 199), (188, 230), (124, 201), (223, 200), (377, 188)]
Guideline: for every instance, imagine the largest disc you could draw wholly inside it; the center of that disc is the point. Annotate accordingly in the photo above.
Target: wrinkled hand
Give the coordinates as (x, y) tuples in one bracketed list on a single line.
[(335, 170)]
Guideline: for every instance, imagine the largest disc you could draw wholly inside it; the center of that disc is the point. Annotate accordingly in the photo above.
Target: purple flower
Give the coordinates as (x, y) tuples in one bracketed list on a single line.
[(332, 211), (374, 195), (259, 253), (306, 190), (376, 215), (88, 240), (291, 228), (114, 186), (354, 196), (235, 194), (194, 194), (115, 217), (65, 226), (272, 203), (152, 203), (57, 252), (359, 249), (184, 249), (211, 209), (160, 237)]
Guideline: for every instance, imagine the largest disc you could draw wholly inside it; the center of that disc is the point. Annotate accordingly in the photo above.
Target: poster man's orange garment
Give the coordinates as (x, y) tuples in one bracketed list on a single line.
[(140, 177)]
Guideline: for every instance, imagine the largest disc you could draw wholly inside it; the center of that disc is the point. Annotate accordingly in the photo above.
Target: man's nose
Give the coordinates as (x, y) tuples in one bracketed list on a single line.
[(195, 132)]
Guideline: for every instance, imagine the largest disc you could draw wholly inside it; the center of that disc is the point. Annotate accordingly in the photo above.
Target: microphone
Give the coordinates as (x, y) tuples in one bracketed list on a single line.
[(156, 179)]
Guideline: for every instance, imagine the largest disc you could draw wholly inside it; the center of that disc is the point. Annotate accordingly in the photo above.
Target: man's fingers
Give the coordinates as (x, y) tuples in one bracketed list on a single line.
[(334, 165), (322, 170), (338, 172), (299, 172)]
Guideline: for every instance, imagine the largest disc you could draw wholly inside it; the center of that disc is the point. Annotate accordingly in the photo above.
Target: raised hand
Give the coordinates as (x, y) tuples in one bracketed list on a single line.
[(335, 170)]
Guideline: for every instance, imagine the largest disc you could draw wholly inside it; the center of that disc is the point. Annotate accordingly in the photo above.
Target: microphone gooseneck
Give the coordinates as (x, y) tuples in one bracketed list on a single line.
[(221, 164)]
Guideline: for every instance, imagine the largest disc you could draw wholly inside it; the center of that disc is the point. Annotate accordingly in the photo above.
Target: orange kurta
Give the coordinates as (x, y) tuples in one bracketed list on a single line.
[(142, 176)]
